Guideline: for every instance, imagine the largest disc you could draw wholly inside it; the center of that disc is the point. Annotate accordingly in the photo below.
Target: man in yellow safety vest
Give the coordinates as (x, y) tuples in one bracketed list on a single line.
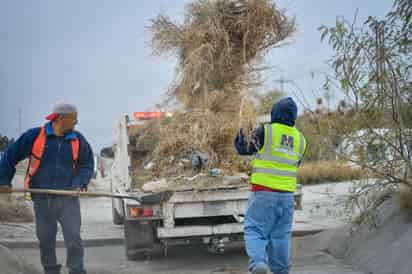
[(279, 148)]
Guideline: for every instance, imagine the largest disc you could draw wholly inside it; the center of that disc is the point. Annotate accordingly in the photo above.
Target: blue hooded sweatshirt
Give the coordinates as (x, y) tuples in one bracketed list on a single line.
[(56, 166), (283, 112)]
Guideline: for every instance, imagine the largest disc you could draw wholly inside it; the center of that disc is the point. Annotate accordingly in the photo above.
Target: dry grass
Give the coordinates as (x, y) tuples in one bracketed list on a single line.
[(219, 45), (327, 171), (405, 198), (167, 141)]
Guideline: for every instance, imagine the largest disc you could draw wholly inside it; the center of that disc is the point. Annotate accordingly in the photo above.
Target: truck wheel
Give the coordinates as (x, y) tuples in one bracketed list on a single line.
[(139, 239), (117, 218)]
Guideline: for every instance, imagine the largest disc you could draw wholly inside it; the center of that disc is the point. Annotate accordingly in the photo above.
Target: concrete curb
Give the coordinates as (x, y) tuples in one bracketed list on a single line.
[(32, 243), (303, 233)]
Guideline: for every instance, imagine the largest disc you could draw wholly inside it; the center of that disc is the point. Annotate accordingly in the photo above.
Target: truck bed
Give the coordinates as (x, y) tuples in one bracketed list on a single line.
[(197, 182), (193, 187)]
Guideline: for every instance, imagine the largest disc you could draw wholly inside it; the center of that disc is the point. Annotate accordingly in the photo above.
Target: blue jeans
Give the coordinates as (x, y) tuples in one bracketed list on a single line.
[(268, 230), (49, 210)]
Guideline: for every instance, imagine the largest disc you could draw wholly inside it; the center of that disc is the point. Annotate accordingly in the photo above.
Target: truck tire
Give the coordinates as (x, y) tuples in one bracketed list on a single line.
[(117, 218), (139, 239)]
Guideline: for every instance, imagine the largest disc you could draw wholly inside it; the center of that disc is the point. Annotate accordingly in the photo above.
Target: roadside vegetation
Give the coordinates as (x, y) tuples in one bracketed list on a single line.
[(371, 81), (327, 172), (405, 199)]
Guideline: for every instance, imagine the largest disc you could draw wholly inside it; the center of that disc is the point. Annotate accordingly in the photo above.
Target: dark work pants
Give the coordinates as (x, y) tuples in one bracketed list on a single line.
[(50, 209)]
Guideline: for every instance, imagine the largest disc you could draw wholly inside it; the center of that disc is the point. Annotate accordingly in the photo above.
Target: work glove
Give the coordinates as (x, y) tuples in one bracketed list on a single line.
[(241, 143), (241, 133), (240, 137), (5, 189), (79, 185), (78, 189)]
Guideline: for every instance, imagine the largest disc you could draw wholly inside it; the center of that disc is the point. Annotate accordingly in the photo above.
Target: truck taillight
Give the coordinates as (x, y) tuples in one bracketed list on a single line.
[(135, 212), (148, 115)]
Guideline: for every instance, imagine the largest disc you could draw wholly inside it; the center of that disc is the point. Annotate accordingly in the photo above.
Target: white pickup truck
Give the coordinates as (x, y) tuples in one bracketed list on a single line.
[(211, 212)]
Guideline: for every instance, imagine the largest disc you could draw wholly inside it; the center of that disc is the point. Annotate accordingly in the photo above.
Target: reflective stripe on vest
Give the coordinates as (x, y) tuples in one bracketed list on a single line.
[(37, 154), (301, 146), (275, 172), (275, 165), (277, 159)]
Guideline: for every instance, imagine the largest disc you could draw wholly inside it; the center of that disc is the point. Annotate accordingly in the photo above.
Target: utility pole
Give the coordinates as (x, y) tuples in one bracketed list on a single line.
[(20, 118), (282, 82)]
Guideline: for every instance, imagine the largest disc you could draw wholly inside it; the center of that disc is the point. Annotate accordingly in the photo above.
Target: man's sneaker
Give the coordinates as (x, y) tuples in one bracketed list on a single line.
[(260, 269)]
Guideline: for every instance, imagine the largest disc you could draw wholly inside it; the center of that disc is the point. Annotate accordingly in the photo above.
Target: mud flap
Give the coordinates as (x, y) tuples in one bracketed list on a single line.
[(139, 239)]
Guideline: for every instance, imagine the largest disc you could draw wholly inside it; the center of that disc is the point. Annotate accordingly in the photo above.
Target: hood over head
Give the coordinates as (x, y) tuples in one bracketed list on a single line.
[(284, 111)]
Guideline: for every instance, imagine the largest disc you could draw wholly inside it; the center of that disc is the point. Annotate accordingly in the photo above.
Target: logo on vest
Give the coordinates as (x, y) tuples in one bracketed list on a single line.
[(287, 142)]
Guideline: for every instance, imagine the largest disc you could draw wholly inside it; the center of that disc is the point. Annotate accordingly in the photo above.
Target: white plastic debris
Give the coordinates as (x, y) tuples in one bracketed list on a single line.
[(148, 166), (154, 185)]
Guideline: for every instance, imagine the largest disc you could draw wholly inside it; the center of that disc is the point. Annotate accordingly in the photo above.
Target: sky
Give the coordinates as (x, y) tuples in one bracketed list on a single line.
[(96, 55)]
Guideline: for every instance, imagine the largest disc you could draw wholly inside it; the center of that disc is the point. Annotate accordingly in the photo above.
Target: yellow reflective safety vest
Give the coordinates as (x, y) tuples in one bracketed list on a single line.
[(276, 163)]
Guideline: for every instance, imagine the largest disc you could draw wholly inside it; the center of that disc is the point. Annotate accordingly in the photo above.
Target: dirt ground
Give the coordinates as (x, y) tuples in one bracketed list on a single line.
[(10, 263), (382, 250), (193, 260), (385, 249), (13, 207)]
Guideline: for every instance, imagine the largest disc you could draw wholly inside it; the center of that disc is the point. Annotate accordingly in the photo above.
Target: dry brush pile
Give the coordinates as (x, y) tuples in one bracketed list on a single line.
[(220, 47)]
